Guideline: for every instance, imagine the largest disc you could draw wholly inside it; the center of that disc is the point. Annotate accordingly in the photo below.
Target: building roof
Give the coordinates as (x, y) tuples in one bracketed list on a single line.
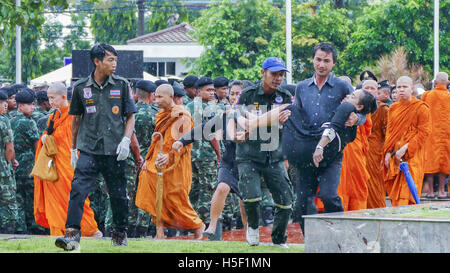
[(175, 34)]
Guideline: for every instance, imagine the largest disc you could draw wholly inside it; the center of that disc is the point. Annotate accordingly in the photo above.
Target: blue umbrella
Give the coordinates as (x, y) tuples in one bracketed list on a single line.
[(409, 180)]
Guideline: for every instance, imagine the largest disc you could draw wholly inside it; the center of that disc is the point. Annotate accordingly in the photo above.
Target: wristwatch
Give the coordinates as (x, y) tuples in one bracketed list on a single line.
[(319, 147)]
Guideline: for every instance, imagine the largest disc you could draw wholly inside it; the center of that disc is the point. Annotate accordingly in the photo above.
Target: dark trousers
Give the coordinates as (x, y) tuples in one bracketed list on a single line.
[(86, 173), (277, 181), (309, 178)]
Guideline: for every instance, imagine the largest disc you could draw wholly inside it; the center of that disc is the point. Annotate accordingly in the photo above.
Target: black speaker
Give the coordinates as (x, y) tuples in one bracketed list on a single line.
[(130, 64)]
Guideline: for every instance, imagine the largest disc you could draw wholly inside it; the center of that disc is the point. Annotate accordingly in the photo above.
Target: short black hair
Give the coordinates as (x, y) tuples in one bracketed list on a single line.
[(369, 102), (327, 47), (98, 51)]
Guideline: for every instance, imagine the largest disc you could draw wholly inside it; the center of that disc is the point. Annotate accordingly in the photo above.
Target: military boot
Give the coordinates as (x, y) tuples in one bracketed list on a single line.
[(70, 241), (119, 238)]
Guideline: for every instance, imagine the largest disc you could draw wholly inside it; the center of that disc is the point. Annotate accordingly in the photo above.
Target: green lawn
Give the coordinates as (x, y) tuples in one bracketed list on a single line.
[(88, 245)]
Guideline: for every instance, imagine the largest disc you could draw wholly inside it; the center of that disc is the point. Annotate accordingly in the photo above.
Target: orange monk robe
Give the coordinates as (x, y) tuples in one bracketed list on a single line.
[(408, 122), (51, 199), (353, 181), (376, 197), (437, 148), (177, 211)]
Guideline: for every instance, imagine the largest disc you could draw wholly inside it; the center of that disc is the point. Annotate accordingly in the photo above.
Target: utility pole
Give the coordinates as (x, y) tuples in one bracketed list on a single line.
[(18, 51), (141, 10), (436, 37), (289, 42)]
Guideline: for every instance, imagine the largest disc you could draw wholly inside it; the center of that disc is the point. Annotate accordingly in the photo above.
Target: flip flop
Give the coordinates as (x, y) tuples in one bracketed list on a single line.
[(442, 197)]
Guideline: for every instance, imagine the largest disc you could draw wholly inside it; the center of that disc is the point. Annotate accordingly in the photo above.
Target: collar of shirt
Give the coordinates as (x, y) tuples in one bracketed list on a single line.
[(330, 80), (91, 81)]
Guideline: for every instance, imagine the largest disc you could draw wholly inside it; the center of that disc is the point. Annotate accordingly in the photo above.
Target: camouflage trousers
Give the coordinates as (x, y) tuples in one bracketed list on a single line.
[(204, 177), (25, 204), (8, 205)]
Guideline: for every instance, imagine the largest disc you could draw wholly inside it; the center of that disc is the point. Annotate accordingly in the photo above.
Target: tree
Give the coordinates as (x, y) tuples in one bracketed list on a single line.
[(161, 11), (115, 22), (386, 26), (311, 26), (238, 37)]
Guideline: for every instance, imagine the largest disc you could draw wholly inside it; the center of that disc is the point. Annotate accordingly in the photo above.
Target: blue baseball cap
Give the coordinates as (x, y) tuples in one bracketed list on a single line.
[(274, 64)]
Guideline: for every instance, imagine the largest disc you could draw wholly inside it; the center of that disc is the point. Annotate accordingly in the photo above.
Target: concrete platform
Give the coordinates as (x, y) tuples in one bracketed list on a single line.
[(384, 230)]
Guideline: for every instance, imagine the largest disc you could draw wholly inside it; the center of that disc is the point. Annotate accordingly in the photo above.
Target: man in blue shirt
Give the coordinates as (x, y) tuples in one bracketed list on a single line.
[(316, 99)]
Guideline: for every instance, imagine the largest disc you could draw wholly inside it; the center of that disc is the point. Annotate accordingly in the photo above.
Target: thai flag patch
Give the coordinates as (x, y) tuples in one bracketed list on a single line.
[(114, 93), (91, 109)]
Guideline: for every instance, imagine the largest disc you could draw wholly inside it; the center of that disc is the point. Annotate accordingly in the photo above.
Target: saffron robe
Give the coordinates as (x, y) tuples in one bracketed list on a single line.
[(51, 199), (408, 122), (437, 148), (354, 175), (376, 197), (177, 211)]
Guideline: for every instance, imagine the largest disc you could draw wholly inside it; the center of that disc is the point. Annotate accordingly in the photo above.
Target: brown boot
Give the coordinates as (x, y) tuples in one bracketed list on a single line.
[(70, 241)]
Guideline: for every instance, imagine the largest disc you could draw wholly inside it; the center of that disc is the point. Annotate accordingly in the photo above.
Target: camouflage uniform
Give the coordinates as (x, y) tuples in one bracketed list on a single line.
[(11, 114), (8, 203), (42, 123), (100, 203), (25, 136), (145, 122), (204, 160), (38, 113)]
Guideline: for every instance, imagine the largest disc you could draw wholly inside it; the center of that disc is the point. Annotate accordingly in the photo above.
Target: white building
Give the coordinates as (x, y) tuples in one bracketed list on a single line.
[(166, 51)]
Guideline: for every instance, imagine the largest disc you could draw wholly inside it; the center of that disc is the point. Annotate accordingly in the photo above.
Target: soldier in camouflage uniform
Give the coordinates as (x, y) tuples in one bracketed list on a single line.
[(25, 136), (145, 121), (12, 105), (8, 204), (203, 155), (42, 108), (190, 88)]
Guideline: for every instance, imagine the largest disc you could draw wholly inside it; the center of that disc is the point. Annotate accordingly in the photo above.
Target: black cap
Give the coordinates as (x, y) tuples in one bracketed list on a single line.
[(220, 81), (41, 96), (190, 81), (25, 96), (178, 91), (203, 81), (148, 86), (367, 75), (159, 82), (3, 95), (384, 84)]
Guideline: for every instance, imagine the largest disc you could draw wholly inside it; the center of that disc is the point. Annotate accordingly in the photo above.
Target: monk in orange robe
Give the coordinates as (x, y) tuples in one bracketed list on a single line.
[(353, 182), (437, 149), (51, 199), (409, 126), (172, 121), (376, 193)]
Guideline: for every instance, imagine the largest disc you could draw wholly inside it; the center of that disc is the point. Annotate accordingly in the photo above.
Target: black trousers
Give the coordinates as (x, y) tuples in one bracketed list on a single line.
[(86, 173)]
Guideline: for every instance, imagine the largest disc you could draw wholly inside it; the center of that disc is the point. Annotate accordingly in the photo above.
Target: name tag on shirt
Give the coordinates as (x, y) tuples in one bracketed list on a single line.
[(91, 109), (115, 94)]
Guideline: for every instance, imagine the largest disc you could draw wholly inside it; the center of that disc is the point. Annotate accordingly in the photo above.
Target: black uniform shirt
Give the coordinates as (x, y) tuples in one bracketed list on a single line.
[(103, 111)]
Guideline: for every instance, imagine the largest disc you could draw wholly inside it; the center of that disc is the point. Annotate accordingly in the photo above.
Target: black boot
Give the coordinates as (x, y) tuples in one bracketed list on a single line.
[(141, 232), (70, 241), (119, 238)]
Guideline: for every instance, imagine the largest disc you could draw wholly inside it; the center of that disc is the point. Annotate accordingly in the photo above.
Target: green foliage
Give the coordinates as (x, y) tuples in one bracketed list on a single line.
[(238, 37), (385, 26), (311, 27), (161, 11), (114, 27)]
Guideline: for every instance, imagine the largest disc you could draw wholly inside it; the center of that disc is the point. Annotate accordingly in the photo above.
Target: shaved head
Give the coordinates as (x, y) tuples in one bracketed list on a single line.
[(405, 79), (164, 96), (165, 89), (57, 87), (441, 78)]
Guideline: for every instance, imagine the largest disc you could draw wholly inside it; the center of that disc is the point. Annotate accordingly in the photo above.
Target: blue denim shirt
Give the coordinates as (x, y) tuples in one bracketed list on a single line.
[(312, 108)]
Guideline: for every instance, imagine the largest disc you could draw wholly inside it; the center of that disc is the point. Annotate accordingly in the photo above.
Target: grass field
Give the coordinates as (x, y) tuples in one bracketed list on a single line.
[(89, 245)]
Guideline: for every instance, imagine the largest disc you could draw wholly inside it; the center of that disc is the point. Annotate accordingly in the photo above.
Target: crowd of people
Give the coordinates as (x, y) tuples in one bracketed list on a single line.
[(109, 157)]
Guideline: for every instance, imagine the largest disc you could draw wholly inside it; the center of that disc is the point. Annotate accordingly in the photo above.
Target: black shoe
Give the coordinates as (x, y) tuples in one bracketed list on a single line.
[(70, 241), (119, 238), (141, 232)]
